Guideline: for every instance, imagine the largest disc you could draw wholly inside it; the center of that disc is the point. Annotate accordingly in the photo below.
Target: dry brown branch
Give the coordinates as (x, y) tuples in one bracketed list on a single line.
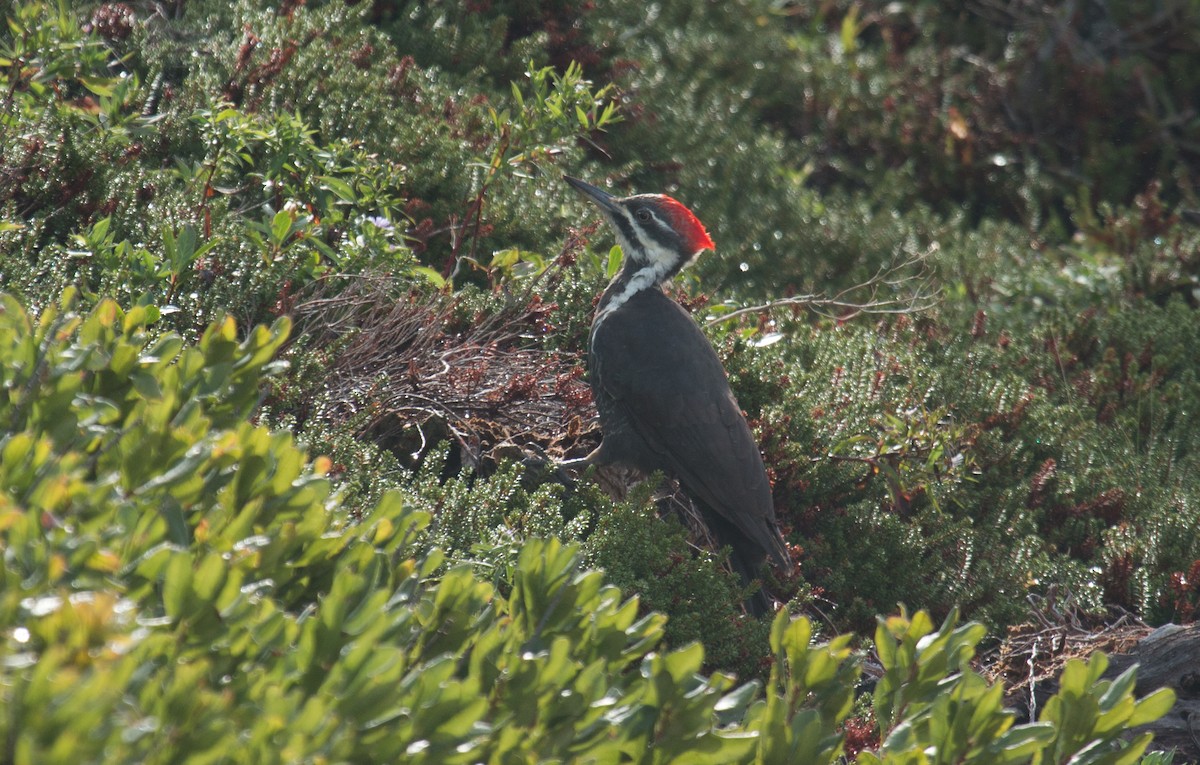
[(1032, 656), (898, 288), (403, 364)]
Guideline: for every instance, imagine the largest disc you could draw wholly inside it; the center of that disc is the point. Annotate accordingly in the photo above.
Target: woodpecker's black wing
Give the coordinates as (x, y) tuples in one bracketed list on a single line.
[(665, 377)]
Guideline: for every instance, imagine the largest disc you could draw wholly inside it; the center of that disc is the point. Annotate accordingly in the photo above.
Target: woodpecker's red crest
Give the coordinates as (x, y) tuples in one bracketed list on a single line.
[(685, 222)]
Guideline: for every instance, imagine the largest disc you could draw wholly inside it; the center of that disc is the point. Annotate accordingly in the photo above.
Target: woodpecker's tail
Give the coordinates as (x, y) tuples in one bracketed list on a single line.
[(759, 602), (748, 559)]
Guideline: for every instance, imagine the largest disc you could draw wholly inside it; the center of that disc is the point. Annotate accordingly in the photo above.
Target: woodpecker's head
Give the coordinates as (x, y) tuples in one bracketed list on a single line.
[(654, 230)]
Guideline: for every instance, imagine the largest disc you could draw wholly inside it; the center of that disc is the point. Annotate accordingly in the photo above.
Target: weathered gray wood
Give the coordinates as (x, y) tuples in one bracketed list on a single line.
[(1169, 657)]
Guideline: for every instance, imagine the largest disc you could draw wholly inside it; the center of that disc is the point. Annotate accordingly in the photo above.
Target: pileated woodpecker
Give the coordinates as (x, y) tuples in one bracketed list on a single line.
[(663, 396)]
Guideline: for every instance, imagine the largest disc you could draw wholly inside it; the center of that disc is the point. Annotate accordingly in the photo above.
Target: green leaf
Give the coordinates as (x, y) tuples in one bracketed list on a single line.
[(738, 700), (209, 577), (1152, 707), (1020, 743), (614, 261), (99, 230), (342, 190), (850, 30), (101, 86), (885, 645), (429, 275), (281, 226), (178, 530), (505, 258), (146, 384), (177, 585), (1119, 689)]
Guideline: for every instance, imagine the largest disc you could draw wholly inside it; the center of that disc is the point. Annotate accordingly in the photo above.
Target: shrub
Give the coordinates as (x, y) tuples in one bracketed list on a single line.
[(235, 180), (176, 572), (178, 584), (1034, 431)]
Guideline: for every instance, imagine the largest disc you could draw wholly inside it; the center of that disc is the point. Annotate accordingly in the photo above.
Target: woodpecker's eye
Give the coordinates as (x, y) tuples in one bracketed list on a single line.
[(642, 214)]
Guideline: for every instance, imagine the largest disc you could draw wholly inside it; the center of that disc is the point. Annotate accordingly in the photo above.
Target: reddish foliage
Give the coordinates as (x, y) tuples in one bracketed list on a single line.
[(267, 72), (246, 51), (285, 301), (132, 152), (361, 56), (402, 83), (1108, 506), (569, 387), (691, 303), (1185, 588), (419, 235), (1040, 485), (1012, 418), (538, 314), (979, 324), (113, 21), (521, 387), (255, 80), (288, 8), (861, 735)]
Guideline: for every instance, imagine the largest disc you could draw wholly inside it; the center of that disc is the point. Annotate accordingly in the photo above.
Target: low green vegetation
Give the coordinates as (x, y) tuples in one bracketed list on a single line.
[(180, 586), (290, 289)]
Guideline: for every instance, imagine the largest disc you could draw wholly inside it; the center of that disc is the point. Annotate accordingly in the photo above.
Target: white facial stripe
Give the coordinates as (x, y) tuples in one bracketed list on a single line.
[(647, 249), (647, 277)]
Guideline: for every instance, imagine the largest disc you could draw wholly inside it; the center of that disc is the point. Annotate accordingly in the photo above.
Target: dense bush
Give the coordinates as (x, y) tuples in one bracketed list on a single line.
[(172, 165), (983, 454), (178, 585)]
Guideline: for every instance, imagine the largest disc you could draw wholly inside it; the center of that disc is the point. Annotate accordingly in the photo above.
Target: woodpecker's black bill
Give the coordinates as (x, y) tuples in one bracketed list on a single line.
[(600, 197)]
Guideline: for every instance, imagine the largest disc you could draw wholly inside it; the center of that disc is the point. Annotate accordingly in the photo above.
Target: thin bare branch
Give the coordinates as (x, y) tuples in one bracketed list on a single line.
[(909, 281)]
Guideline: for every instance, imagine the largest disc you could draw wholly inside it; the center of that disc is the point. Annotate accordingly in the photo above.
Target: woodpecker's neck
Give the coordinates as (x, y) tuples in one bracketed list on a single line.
[(632, 279)]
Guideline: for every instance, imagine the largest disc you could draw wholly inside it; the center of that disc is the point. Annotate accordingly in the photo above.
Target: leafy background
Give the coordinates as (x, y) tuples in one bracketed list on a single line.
[(1006, 186)]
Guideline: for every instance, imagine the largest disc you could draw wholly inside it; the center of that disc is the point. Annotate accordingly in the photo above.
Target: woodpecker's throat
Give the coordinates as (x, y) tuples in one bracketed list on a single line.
[(630, 282)]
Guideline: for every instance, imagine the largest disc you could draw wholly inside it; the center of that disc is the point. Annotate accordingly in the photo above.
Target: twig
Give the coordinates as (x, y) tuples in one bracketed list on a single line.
[(921, 296), (400, 361)]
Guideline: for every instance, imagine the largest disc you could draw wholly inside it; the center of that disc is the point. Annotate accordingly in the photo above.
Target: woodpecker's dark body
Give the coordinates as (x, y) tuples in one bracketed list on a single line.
[(661, 391), (658, 412)]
